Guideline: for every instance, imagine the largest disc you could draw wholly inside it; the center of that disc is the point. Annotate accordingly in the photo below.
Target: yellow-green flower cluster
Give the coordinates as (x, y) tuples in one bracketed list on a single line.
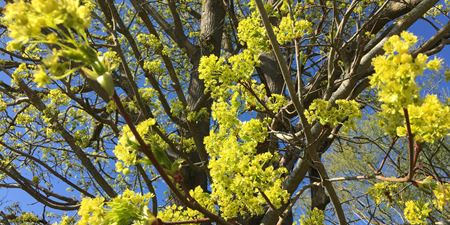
[(153, 66), (225, 113), (3, 104), (21, 72), (395, 72), (253, 130), (178, 213), (65, 23), (442, 194), (149, 41), (290, 29), (220, 74), (41, 78), (91, 211), (322, 111), (416, 212), (213, 70), (26, 19), (257, 96), (127, 148), (26, 218), (253, 34), (222, 80), (149, 96), (313, 217), (383, 191), (57, 97), (394, 78), (66, 220), (128, 208), (429, 121), (239, 174), (276, 102), (201, 114), (220, 77)]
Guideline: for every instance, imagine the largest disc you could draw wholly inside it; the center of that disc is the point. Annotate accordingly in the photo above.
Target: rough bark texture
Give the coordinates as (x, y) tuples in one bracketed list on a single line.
[(319, 197), (211, 29)]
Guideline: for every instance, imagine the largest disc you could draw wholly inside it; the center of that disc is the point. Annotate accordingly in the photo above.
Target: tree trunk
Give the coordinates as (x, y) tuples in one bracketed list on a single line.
[(211, 29), (319, 198)]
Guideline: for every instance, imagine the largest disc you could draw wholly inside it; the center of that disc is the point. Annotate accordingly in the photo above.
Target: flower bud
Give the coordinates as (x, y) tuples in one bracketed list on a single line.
[(107, 83)]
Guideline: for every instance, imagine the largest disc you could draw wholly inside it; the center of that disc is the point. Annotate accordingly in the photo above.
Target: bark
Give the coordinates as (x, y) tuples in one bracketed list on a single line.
[(211, 29), (319, 198)]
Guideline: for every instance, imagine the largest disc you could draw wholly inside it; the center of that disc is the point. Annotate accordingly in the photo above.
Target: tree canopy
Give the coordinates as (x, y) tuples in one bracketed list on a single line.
[(225, 112)]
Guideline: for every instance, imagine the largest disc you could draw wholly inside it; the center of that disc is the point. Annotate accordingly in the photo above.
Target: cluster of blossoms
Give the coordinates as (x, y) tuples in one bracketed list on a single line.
[(220, 73), (154, 67), (127, 148), (60, 23), (248, 176), (321, 110), (241, 176), (223, 76), (149, 41), (416, 212), (429, 121), (178, 213), (27, 19), (290, 29), (128, 208), (220, 77), (442, 195), (313, 217), (3, 105), (57, 98), (383, 191), (394, 79)]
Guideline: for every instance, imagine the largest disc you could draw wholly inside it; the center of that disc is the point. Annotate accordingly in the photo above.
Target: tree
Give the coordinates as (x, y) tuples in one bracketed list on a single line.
[(237, 109)]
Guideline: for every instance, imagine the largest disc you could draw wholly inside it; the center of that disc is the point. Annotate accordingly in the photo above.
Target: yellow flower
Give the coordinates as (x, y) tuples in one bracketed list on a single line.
[(41, 78), (434, 64), (321, 111), (429, 121), (313, 217), (3, 105), (383, 191), (127, 149), (91, 211), (442, 194), (290, 29), (237, 170), (409, 38), (127, 208), (416, 212), (394, 78)]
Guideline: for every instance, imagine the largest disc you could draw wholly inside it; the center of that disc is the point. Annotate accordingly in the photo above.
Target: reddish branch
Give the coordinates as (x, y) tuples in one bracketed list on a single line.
[(391, 146), (410, 146)]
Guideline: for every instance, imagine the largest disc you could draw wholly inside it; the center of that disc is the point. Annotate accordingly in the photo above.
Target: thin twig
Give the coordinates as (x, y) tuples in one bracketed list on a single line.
[(201, 220)]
